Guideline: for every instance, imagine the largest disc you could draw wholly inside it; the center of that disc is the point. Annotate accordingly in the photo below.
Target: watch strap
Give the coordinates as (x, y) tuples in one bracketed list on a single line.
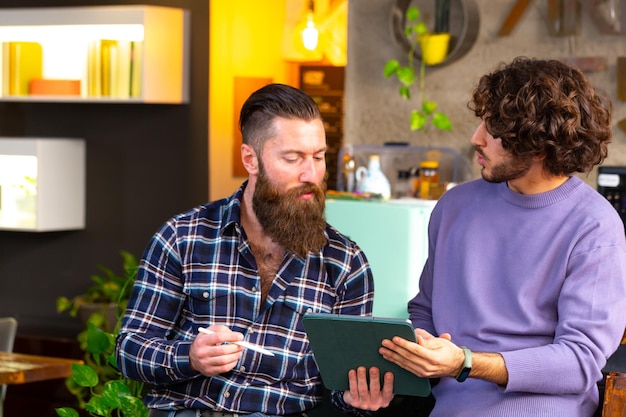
[(467, 365)]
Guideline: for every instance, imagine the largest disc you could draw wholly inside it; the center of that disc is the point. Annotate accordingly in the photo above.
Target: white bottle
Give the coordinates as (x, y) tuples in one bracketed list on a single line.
[(372, 180)]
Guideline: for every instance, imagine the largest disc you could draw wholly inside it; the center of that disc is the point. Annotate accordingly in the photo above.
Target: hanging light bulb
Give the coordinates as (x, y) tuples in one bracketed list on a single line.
[(310, 34)]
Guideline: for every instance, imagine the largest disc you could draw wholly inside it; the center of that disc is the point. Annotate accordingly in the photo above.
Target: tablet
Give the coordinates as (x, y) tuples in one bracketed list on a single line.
[(341, 342)]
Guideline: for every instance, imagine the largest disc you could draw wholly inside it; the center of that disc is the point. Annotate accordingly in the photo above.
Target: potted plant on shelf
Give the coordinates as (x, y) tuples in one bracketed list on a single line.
[(417, 33), (99, 387)]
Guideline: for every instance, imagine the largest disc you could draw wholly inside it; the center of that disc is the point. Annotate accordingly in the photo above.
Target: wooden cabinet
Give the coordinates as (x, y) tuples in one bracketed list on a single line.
[(326, 85), (159, 35)]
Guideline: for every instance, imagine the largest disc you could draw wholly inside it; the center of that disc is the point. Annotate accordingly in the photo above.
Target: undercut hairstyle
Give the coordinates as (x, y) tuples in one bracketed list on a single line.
[(256, 120), (545, 108)]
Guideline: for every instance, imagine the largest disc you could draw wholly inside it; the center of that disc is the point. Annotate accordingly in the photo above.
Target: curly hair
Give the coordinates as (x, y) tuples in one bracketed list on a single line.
[(545, 108)]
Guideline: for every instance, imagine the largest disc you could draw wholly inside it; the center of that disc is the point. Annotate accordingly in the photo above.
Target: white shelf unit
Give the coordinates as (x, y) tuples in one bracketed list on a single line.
[(65, 33), (42, 184)]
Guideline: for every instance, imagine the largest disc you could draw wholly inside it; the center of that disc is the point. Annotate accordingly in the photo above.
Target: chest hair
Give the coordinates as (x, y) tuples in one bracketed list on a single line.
[(268, 261)]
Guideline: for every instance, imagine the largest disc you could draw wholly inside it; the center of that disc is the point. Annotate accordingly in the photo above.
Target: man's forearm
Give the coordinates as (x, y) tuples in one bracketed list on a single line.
[(489, 367)]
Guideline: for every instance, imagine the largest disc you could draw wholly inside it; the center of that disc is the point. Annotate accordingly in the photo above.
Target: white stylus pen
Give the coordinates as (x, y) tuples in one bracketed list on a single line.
[(242, 343)]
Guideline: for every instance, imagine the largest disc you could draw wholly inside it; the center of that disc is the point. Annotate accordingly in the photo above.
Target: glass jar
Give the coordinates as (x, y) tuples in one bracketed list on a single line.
[(429, 179), (402, 187)]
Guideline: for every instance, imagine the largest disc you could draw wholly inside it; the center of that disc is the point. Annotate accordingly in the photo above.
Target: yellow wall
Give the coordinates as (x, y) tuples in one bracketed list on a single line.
[(260, 39), (245, 39)]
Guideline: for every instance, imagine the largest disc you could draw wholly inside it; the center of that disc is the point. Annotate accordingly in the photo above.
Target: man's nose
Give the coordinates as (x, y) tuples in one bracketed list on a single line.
[(478, 138), (309, 171)]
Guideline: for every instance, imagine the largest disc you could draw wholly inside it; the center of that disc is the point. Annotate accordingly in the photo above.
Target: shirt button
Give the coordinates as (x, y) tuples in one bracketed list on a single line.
[(242, 368), (309, 310), (227, 394), (251, 331), (254, 289), (205, 294)]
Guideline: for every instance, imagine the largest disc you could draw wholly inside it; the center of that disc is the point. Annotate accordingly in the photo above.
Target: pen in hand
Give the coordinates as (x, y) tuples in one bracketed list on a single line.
[(248, 345)]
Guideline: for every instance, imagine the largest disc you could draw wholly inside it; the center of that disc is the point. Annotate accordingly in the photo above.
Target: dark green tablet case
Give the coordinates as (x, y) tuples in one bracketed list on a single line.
[(342, 342)]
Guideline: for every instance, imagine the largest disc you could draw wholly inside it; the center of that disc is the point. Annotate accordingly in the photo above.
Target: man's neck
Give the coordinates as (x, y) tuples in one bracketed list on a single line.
[(529, 184)]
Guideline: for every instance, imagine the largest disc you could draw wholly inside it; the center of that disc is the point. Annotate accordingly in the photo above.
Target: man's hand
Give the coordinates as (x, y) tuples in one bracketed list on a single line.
[(430, 357), (435, 357), (370, 397), (213, 354)]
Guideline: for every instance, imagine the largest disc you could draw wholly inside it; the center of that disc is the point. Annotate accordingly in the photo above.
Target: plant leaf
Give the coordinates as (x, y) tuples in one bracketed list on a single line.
[(429, 107), (412, 14), (66, 412), (133, 407), (406, 75), (442, 122), (391, 67), (84, 375), (418, 120), (98, 406), (98, 341), (420, 28), (63, 303), (405, 92)]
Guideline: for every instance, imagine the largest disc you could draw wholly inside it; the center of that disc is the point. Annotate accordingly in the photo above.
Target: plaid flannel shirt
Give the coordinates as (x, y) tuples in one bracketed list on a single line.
[(198, 270)]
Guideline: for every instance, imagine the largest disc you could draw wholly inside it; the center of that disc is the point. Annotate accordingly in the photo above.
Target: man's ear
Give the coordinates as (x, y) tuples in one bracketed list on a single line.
[(249, 159)]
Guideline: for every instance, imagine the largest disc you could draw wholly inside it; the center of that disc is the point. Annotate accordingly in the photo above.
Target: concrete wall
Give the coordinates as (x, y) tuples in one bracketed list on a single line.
[(375, 113)]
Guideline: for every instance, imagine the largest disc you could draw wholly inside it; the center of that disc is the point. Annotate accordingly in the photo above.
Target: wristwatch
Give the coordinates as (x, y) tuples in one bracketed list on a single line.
[(467, 365)]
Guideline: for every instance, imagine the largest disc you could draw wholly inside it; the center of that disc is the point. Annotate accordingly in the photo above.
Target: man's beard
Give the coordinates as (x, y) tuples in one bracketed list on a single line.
[(507, 170), (297, 225)]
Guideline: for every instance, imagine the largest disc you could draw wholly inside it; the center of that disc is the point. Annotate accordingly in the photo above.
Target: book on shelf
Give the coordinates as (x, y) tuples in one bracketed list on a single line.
[(114, 68), (21, 63), (135, 68), (109, 53)]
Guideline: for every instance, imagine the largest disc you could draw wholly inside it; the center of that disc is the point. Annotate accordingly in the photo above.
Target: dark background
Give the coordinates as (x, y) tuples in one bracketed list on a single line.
[(144, 163)]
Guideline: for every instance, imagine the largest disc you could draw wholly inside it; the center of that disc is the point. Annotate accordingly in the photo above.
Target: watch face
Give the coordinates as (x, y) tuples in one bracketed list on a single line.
[(463, 375)]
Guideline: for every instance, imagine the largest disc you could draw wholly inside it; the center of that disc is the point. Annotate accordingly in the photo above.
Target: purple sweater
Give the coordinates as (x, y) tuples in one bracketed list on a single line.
[(540, 279)]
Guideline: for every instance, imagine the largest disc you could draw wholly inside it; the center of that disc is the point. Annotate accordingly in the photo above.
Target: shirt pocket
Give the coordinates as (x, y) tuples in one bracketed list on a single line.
[(207, 300)]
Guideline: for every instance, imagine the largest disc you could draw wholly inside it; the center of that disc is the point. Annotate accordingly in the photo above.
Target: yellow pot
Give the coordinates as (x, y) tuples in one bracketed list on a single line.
[(434, 47)]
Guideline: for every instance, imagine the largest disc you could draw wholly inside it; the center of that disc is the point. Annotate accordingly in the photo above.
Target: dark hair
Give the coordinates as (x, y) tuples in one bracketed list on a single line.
[(544, 107), (266, 104)]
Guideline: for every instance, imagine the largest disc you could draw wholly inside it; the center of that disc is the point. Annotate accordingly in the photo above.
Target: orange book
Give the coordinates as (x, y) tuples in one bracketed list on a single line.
[(42, 86)]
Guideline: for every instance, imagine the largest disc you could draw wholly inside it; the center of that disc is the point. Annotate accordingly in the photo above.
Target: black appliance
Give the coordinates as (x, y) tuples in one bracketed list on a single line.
[(612, 185)]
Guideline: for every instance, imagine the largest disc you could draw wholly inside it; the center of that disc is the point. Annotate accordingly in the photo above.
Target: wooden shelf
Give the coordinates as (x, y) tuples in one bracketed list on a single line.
[(65, 34)]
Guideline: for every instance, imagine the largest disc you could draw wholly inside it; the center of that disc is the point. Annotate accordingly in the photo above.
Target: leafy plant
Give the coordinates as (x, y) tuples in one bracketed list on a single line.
[(427, 113), (109, 287), (98, 385)]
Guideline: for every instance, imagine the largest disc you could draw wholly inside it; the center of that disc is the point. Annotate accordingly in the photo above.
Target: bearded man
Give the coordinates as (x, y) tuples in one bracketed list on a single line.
[(248, 267)]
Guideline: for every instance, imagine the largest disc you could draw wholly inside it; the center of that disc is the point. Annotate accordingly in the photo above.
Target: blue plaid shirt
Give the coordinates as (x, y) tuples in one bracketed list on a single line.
[(198, 270)]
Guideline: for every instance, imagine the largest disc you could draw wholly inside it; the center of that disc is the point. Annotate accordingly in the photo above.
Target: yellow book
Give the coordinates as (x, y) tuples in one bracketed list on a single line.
[(108, 67), (25, 64), (6, 68), (93, 69), (123, 69), (135, 68)]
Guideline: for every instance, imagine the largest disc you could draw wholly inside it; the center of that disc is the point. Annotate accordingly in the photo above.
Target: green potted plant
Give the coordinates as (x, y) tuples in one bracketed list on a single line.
[(99, 387), (108, 292), (426, 114)]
